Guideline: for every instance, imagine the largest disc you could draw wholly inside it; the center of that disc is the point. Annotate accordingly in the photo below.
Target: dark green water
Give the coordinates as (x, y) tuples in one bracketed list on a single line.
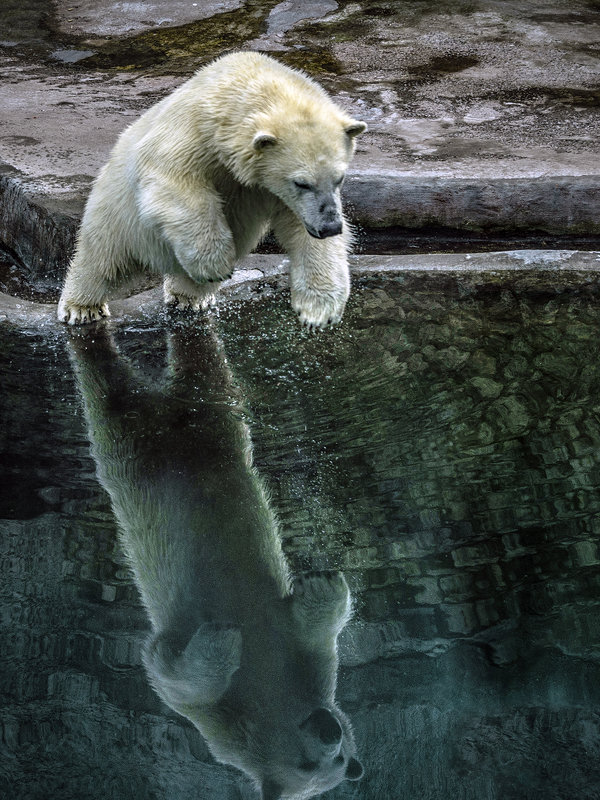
[(441, 447)]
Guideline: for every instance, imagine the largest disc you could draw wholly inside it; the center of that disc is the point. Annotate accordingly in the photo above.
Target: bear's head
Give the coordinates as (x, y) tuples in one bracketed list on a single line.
[(300, 757), (302, 158), (289, 751), (312, 757)]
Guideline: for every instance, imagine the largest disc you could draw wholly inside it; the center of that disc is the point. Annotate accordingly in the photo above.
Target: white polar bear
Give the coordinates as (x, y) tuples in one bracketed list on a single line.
[(238, 647), (244, 146)]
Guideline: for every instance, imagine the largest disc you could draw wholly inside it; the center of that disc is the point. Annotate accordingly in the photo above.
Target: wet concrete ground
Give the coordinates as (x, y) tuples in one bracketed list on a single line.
[(483, 115)]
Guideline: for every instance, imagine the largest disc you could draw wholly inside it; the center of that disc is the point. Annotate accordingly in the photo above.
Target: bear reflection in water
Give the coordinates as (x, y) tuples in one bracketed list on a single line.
[(238, 647)]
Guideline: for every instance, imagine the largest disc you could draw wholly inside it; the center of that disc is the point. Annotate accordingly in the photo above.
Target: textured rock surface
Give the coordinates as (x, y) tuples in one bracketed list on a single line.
[(483, 115)]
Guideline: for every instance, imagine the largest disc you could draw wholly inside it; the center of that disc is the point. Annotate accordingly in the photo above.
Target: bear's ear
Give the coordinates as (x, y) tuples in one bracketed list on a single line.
[(354, 770), (354, 128), (262, 140), (270, 790)]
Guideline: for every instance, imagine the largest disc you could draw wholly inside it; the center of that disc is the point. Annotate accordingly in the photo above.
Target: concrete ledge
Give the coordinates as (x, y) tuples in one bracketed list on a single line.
[(269, 273), (556, 205), (39, 239), (482, 264)]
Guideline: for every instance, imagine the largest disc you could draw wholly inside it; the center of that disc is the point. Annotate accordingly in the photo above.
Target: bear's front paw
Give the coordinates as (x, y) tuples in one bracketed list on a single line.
[(318, 309), (76, 314)]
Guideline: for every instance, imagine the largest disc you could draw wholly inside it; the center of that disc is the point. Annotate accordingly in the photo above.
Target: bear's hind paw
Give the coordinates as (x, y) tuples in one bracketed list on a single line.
[(76, 314), (183, 302), (183, 294)]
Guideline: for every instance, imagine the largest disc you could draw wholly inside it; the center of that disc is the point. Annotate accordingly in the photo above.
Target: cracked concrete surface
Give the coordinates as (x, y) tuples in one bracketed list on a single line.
[(483, 116)]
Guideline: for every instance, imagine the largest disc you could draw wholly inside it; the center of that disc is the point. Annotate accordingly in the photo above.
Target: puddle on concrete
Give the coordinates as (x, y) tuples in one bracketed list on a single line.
[(31, 27), (71, 56), (441, 447), (444, 64), (184, 45), (169, 50)]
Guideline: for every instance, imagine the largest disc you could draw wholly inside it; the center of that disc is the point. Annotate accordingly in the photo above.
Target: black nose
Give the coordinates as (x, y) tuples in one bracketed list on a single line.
[(323, 724), (330, 229)]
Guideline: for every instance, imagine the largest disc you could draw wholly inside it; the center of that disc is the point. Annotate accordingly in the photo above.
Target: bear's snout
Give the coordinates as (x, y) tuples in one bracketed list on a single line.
[(323, 725), (331, 220), (322, 215), (330, 229), (326, 229)]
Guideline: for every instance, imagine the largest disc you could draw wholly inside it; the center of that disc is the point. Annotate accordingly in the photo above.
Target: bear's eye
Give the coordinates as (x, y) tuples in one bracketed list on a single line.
[(303, 186)]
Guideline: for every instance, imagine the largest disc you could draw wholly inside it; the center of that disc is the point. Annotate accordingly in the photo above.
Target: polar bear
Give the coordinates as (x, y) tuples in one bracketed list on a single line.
[(238, 647), (244, 146)]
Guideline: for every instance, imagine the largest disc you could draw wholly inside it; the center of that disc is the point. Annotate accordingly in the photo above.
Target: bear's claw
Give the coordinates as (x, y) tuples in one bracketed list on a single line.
[(182, 302), (311, 327), (75, 314), (316, 309)]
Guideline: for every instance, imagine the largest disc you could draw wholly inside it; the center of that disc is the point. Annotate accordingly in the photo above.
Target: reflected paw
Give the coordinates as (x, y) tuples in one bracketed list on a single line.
[(321, 605), (201, 672), (325, 586), (216, 643)]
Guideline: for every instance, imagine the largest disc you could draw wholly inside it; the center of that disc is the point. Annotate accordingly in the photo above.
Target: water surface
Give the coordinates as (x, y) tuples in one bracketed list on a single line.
[(441, 447)]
